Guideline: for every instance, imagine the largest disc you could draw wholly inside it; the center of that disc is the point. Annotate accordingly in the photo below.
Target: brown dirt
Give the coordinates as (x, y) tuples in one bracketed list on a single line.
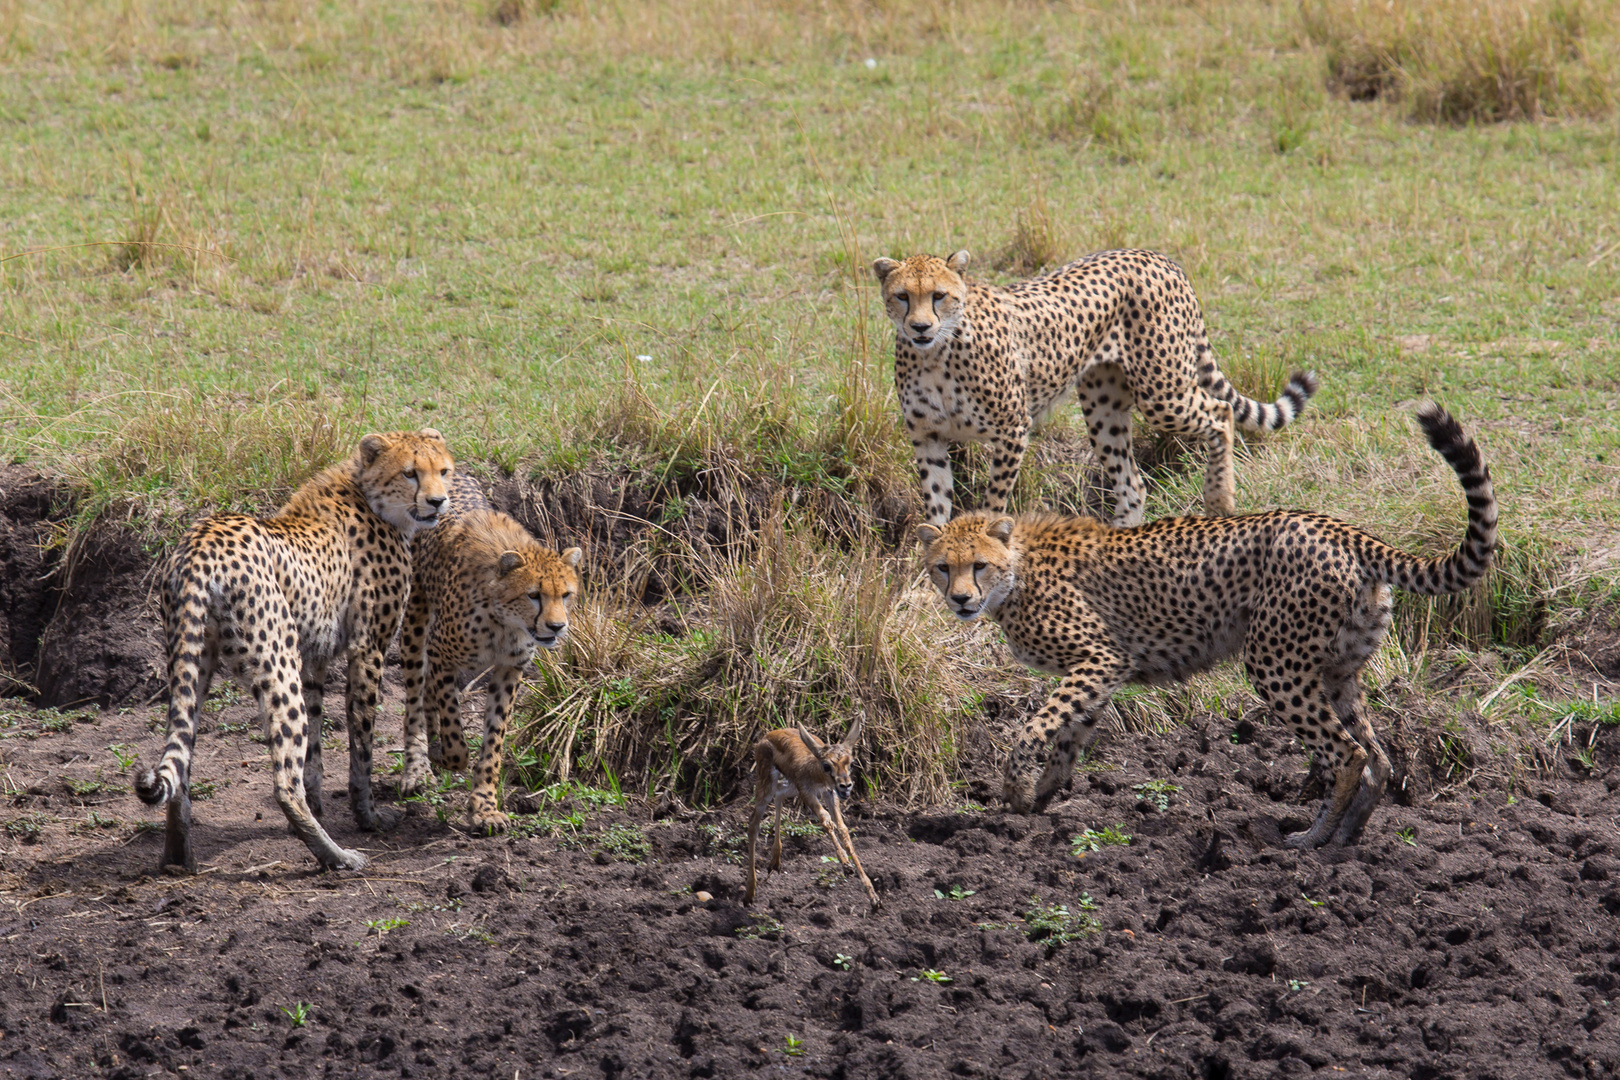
[(1482, 943)]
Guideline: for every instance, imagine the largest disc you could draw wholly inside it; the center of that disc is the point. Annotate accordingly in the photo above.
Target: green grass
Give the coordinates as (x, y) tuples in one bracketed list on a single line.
[(634, 239)]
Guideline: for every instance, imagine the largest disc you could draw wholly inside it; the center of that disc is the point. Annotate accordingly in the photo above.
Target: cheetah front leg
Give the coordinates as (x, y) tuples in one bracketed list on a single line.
[(413, 658), (486, 789), (365, 681), (1008, 456), (934, 470), (1107, 401), (1035, 770)]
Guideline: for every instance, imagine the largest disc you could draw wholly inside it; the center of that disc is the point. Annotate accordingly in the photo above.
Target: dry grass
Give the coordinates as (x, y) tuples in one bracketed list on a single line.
[(789, 631), (1472, 60)]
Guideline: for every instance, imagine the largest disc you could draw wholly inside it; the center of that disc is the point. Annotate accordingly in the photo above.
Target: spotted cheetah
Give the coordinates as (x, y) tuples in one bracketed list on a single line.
[(484, 594), (1119, 329), (1303, 597), (272, 600)]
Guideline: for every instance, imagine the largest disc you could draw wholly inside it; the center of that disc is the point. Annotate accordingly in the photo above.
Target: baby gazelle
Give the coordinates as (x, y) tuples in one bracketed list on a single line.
[(792, 761)]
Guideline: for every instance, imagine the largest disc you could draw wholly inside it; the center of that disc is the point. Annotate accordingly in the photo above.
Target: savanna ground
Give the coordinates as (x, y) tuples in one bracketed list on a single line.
[(617, 254)]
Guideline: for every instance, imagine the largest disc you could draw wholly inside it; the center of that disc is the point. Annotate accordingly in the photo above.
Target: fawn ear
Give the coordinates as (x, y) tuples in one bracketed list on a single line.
[(853, 737), (813, 743), (1000, 529)]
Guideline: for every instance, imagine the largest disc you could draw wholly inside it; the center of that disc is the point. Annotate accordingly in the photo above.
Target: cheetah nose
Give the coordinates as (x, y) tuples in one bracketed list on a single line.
[(556, 627), (919, 326), (959, 598), (436, 501)]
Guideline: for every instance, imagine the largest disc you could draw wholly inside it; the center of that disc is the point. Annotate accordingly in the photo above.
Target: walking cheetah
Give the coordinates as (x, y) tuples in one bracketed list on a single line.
[(1303, 597), (484, 594), (272, 600), (1119, 329)]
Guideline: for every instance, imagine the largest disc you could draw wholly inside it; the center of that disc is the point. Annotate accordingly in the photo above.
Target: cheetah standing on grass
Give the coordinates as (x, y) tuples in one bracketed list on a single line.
[(1303, 597), (272, 600), (484, 594), (1120, 329)]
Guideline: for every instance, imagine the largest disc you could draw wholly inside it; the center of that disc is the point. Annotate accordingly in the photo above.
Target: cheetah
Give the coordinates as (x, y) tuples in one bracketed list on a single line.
[(484, 594), (1117, 330), (1303, 597), (272, 600)]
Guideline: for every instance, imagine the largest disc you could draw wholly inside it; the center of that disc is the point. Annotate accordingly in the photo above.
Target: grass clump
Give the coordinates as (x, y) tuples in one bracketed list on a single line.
[(1097, 839), (1055, 925), (790, 631), (1462, 61)]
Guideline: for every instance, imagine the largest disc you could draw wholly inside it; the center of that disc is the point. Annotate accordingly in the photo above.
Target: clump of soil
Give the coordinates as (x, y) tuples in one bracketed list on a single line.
[(1473, 937)]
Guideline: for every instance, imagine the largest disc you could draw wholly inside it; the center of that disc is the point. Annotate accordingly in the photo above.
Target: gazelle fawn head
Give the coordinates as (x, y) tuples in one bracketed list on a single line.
[(837, 760)]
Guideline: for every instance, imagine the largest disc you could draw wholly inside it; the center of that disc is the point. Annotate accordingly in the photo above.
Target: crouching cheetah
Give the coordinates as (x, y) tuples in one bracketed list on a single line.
[(272, 600), (1304, 597), (484, 594), (1119, 329)]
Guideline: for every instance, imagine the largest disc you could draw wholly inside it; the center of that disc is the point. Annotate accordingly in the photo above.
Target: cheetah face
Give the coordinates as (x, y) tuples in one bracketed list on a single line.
[(406, 477), (924, 297), (533, 590), (970, 562)]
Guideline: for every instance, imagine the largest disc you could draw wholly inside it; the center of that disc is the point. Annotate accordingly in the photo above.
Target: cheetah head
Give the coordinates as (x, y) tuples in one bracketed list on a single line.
[(924, 297), (405, 476), (971, 562), (533, 588)]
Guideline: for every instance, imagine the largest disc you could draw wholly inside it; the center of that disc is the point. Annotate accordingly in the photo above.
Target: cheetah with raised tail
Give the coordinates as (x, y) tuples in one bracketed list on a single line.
[(1118, 330), (272, 600), (1304, 598), (484, 594)]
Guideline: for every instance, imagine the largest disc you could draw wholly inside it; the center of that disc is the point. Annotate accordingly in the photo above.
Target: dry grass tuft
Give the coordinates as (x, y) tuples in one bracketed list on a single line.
[(1471, 60), (791, 631), (1035, 244)]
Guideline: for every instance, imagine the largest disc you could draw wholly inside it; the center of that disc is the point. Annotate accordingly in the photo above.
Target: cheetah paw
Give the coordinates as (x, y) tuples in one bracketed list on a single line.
[(490, 822)]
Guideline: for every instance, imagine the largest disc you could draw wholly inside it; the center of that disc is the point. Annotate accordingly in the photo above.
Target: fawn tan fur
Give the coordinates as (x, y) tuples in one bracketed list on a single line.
[(791, 761)]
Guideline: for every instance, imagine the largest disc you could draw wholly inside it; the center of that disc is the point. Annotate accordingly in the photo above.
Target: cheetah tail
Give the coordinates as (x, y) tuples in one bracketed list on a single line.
[(190, 610), (1455, 572), (1251, 415)]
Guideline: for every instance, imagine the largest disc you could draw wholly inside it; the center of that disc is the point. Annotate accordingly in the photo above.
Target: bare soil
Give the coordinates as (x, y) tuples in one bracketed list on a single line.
[(1474, 937), (1475, 932)]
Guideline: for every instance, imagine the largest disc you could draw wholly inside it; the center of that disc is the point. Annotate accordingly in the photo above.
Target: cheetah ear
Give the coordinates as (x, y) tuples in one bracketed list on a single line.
[(371, 446), (927, 534), (431, 433), (572, 556), (1000, 529), (510, 561), (882, 268), (959, 261)]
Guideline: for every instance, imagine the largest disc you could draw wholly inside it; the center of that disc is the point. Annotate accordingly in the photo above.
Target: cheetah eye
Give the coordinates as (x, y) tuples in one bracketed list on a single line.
[(938, 297), (944, 568), (569, 595), (977, 567), (902, 297), (444, 472), (410, 474), (535, 597)]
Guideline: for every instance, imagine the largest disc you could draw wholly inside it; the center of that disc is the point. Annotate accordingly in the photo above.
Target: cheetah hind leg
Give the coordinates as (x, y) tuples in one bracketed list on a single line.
[(177, 834), (1374, 777)]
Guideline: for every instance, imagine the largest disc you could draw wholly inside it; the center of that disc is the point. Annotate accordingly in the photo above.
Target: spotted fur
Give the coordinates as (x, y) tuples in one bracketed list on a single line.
[(484, 595), (272, 601), (1118, 330), (1304, 598)]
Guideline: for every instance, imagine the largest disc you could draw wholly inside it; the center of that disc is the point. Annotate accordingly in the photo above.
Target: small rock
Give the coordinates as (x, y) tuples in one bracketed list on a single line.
[(702, 897)]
